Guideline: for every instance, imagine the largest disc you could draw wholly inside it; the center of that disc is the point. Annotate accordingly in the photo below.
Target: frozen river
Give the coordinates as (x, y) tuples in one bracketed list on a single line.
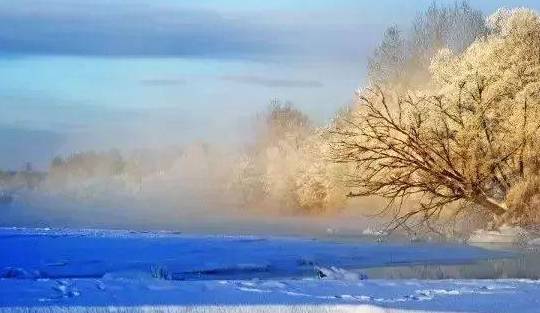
[(44, 270)]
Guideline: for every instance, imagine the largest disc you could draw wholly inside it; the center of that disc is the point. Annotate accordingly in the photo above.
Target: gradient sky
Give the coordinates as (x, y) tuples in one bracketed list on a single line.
[(81, 74)]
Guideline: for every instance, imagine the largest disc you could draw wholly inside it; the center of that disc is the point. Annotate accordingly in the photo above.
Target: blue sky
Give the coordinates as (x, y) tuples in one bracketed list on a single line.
[(81, 74)]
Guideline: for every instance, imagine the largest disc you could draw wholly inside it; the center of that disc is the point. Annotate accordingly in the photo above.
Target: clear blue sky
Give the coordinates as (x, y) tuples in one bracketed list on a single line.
[(80, 74)]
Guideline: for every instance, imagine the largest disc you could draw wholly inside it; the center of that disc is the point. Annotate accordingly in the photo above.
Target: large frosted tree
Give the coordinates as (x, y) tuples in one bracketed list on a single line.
[(468, 142)]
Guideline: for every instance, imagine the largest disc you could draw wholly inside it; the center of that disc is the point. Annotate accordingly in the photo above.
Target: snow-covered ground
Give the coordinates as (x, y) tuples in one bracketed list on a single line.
[(46, 270), (504, 235)]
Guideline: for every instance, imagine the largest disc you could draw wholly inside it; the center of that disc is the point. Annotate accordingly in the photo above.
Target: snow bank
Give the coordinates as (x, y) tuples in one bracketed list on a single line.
[(505, 235), (373, 232), (213, 309), (336, 273), (314, 295)]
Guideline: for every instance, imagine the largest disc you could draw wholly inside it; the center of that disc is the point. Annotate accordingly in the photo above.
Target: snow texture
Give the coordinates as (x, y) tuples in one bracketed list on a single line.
[(49, 270)]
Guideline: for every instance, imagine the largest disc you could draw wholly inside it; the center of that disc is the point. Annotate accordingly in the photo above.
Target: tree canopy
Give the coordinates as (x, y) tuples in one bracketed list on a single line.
[(468, 140)]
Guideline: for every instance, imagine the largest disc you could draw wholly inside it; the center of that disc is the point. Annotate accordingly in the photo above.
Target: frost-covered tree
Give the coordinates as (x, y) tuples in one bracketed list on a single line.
[(454, 27), (388, 61), (88, 164), (265, 170), (285, 168), (468, 142), (403, 57)]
